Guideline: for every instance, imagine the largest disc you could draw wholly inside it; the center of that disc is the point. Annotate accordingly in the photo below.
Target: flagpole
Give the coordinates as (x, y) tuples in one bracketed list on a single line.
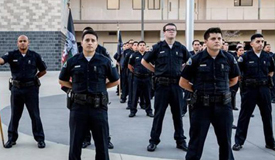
[(119, 87)]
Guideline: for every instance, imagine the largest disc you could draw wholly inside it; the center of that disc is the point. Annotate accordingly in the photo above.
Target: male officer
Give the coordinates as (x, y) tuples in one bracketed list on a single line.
[(267, 49), (89, 71), (169, 56), (132, 50), (142, 81), (257, 69), (196, 47), (25, 88), (101, 50), (212, 72)]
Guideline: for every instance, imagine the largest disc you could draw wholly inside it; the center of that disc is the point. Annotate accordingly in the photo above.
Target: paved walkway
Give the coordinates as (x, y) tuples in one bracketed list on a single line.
[(129, 135)]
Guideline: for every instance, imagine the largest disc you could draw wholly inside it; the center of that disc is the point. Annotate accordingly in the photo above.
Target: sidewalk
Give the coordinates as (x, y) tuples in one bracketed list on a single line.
[(129, 135)]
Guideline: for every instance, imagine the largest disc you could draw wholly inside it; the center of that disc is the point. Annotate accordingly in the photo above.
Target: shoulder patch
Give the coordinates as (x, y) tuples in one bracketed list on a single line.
[(113, 64), (131, 56), (189, 62), (65, 65), (240, 59), (235, 62)]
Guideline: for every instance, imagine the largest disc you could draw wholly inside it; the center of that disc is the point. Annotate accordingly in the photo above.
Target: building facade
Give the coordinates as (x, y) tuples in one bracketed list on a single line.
[(45, 21)]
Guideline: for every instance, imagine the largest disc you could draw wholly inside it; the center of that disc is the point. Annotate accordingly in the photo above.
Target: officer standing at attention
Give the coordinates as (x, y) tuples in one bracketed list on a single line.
[(257, 69), (89, 71), (24, 89), (141, 81), (101, 50), (169, 56), (212, 72), (267, 49)]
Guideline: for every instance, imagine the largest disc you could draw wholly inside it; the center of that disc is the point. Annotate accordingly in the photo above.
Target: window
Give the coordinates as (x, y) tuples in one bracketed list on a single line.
[(137, 4), (154, 4), (243, 2), (112, 4)]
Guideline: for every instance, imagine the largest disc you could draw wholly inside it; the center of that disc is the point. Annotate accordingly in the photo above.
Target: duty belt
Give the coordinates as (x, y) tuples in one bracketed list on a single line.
[(254, 82), (139, 75), (95, 100), (167, 80), (19, 84)]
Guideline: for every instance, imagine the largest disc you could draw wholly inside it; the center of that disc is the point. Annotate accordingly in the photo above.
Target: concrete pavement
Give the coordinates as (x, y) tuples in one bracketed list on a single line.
[(129, 135)]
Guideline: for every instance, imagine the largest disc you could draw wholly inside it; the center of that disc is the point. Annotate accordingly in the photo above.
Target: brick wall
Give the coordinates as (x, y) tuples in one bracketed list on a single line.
[(49, 44)]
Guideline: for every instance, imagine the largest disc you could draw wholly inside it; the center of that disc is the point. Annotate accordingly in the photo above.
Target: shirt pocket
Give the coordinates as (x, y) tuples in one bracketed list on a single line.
[(204, 72), (78, 75)]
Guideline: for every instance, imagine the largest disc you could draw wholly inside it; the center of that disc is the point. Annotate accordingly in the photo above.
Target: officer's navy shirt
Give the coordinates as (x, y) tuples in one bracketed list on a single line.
[(89, 76), (127, 57), (135, 61), (254, 67), (192, 53), (211, 76), (24, 68), (168, 62)]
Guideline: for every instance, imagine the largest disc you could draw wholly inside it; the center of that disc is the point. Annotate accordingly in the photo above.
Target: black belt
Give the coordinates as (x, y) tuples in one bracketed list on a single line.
[(19, 84), (142, 75), (212, 99), (253, 82), (167, 80), (95, 100)]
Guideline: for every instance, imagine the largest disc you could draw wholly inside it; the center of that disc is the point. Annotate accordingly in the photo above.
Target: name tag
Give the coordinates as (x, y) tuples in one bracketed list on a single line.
[(162, 52), (251, 61), (78, 66), (15, 60), (203, 65), (137, 57)]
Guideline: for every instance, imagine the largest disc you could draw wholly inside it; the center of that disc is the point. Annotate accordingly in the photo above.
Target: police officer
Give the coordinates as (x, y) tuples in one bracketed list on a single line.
[(133, 49), (257, 69), (101, 50), (267, 49), (89, 71), (212, 72), (196, 49), (142, 81), (24, 64), (169, 56)]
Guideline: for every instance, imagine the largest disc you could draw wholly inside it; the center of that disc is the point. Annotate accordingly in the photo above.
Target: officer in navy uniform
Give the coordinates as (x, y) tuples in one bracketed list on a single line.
[(267, 49), (132, 50), (141, 81), (257, 69), (89, 71), (24, 64), (169, 57), (212, 72), (196, 49), (101, 50)]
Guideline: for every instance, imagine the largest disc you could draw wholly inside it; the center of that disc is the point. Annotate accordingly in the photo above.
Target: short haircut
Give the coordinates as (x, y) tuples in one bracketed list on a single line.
[(195, 41), (89, 32), (239, 48), (168, 24), (135, 42), (211, 30), (266, 45), (130, 40), (87, 28), (142, 42), (257, 35)]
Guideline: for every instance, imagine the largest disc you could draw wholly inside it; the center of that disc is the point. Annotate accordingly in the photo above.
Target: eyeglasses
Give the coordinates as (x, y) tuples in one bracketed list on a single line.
[(168, 30)]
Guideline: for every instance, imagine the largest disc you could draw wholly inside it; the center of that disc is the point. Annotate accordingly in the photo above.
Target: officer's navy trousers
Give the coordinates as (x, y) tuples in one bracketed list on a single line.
[(253, 96), (141, 87), (221, 117), (164, 96), (83, 118), (29, 97)]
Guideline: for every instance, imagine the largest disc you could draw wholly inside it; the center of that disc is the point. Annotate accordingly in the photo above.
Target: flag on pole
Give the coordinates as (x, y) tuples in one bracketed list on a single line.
[(70, 47), (119, 44)]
